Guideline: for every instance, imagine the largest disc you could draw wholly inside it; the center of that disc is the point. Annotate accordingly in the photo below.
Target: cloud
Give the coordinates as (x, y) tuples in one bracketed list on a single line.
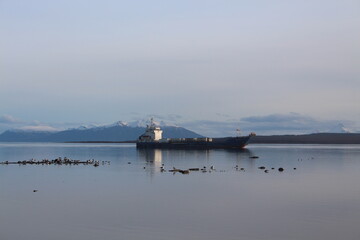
[(39, 128), (214, 128), (8, 119), (283, 118), (285, 122), (273, 124), (295, 123), (222, 115), (173, 118), (8, 122)]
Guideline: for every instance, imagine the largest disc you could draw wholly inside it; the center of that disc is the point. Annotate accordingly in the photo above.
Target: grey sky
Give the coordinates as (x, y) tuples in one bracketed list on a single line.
[(101, 61)]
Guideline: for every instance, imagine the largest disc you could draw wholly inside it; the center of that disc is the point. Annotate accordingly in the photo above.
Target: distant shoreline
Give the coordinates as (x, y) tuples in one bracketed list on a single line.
[(100, 142), (315, 138)]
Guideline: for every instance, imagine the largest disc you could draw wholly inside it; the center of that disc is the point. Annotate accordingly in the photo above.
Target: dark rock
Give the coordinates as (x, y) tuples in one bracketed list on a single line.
[(174, 170), (184, 171), (194, 169)]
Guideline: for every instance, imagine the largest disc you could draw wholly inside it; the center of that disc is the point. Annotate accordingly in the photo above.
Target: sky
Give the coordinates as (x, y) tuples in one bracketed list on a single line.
[(65, 63)]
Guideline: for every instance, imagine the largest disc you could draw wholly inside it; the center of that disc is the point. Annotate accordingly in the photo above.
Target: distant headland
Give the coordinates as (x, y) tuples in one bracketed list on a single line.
[(315, 138)]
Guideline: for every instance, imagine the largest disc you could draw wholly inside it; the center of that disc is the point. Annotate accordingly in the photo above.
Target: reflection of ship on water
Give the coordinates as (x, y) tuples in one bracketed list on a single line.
[(152, 156), (153, 159), (169, 158), (242, 157)]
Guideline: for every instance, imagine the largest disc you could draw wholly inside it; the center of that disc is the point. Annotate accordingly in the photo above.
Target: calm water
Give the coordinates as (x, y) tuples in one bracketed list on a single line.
[(318, 200)]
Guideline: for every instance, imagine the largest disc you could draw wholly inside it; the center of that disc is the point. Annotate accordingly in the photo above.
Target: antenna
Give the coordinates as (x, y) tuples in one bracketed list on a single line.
[(238, 132), (152, 123)]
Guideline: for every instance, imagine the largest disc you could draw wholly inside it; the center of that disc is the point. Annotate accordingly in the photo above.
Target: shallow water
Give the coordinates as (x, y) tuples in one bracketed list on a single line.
[(318, 200)]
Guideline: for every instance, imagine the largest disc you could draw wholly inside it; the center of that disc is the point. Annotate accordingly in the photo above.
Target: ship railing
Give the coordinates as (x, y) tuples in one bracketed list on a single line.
[(177, 140)]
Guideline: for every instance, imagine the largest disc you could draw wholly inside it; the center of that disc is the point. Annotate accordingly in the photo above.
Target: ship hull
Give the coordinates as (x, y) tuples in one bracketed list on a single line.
[(222, 143)]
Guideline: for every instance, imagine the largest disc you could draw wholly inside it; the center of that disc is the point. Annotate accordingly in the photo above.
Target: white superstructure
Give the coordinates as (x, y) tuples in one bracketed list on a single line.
[(153, 133)]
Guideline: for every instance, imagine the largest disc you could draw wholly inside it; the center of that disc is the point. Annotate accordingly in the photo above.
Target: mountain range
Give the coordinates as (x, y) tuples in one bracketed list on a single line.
[(122, 131), (118, 131)]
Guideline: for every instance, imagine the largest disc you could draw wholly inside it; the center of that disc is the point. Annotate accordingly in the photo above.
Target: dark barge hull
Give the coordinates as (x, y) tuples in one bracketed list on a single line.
[(223, 143)]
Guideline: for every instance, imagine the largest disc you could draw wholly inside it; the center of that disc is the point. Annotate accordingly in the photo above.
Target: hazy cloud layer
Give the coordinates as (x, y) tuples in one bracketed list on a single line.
[(8, 122), (280, 118), (8, 119), (273, 124), (166, 117), (39, 128), (293, 123)]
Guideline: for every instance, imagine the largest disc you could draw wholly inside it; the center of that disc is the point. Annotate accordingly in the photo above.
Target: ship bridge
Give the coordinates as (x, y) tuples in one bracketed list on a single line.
[(153, 133)]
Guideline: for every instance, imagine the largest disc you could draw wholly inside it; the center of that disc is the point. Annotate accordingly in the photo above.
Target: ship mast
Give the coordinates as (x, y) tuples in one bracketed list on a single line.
[(238, 132)]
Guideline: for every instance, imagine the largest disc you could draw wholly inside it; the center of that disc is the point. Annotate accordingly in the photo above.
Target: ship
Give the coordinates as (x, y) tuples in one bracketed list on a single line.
[(152, 138)]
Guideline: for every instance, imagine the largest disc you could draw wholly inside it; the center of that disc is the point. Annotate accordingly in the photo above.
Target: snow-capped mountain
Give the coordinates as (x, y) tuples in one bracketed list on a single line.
[(118, 123), (118, 131)]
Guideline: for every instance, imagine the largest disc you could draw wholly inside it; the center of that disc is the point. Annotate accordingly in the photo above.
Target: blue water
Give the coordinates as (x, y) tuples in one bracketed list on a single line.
[(318, 200)]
